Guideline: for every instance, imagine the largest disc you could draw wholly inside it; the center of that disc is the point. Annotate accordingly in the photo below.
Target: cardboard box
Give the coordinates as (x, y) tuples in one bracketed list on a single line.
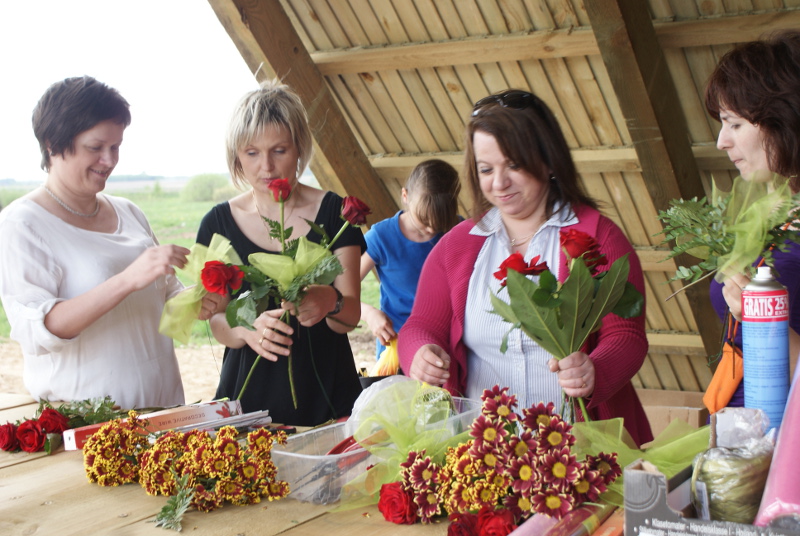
[(648, 512), (662, 407), (166, 419)]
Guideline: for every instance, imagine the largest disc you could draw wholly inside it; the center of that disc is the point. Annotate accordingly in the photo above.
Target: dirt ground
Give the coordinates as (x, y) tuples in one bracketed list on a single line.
[(199, 365)]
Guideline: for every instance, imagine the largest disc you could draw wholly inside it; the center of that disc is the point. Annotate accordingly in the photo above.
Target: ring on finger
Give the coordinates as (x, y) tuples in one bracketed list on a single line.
[(260, 340), (264, 333)]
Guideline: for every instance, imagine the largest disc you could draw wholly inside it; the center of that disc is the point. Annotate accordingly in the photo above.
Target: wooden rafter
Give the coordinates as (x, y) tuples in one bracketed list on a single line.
[(545, 44), (269, 44)]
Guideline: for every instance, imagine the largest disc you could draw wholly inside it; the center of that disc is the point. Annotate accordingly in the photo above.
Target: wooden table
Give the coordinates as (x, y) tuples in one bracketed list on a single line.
[(46, 495)]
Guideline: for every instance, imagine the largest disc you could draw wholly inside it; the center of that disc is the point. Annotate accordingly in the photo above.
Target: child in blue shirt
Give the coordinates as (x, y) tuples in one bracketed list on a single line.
[(398, 246)]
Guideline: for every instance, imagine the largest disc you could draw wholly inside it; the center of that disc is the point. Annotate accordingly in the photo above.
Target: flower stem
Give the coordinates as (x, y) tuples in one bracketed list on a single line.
[(247, 379), (585, 413), (341, 230), (283, 237)]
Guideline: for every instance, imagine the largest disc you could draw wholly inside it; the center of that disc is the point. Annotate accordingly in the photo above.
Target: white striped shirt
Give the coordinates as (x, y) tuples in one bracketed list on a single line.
[(523, 368)]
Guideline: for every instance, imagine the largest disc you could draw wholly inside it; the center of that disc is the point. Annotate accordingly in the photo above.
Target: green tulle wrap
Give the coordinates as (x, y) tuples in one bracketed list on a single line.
[(405, 415), (180, 312), (672, 451), (754, 207)]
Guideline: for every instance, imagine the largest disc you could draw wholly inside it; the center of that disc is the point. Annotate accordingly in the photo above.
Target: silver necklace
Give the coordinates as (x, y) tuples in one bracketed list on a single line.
[(264, 218), (513, 241), (72, 210)]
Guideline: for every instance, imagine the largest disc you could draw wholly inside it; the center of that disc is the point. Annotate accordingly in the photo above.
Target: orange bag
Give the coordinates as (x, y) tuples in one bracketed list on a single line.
[(726, 379)]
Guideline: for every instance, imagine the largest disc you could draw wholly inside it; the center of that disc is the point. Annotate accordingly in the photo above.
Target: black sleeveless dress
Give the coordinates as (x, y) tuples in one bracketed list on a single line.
[(325, 377)]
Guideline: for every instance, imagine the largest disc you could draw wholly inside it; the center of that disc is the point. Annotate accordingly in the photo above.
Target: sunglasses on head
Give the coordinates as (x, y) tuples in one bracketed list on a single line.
[(518, 100)]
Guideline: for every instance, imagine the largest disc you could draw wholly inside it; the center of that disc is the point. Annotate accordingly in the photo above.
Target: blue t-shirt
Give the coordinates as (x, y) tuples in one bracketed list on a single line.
[(398, 262)]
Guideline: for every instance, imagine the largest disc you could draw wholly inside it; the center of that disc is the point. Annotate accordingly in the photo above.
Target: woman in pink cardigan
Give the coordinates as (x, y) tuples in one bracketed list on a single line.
[(525, 192)]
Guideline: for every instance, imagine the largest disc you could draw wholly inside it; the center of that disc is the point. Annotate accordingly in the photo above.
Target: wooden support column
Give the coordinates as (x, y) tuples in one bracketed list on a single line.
[(646, 93)]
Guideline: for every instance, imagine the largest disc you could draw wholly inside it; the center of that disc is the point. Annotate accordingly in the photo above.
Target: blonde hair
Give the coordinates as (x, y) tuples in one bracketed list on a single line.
[(273, 103)]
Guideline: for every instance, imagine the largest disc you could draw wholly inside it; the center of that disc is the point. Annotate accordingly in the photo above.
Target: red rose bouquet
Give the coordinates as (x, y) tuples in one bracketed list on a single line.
[(561, 316), (43, 432), (513, 466)]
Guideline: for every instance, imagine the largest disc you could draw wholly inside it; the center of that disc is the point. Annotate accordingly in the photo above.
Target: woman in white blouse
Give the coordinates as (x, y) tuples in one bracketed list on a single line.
[(83, 279)]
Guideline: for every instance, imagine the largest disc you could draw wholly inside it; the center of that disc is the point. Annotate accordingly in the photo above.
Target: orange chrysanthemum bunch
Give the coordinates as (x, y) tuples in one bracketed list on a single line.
[(512, 467), (111, 455), (215, 469), (219, 469)]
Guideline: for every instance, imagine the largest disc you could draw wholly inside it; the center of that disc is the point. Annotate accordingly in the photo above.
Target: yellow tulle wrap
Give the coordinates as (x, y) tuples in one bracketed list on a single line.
[(180, 312)]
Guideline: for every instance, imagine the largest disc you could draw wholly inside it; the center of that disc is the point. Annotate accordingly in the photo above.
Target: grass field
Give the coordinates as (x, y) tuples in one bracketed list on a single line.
[(175, 221)]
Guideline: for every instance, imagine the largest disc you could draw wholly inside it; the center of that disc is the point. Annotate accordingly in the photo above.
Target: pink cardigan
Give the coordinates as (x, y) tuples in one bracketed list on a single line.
[(618, 348)]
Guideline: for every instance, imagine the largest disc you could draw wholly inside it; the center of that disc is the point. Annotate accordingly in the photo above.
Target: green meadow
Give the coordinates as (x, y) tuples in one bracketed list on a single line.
[(175, 220)]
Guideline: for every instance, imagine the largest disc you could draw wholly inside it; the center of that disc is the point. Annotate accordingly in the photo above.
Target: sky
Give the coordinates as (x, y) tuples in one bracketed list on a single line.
[(171, 59)]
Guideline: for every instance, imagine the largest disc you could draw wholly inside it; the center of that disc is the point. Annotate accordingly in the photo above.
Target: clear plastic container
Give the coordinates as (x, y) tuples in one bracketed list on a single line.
[(317, 477), (313, 475)]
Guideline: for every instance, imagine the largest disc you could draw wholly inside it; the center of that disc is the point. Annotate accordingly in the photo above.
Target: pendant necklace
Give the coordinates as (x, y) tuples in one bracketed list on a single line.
[(514, 241), (72, 210), (263, 218)]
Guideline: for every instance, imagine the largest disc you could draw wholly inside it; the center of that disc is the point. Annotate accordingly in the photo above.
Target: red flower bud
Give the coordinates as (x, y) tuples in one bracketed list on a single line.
[(52, 422), (516, 262), (397, 505), (281, 189), (495, 522), (217, 277), (355, 211), (577, 243), (31, 437), (8, 437)]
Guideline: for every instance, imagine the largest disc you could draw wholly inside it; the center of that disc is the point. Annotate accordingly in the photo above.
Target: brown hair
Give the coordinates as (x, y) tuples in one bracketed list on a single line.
[(434, 186), (72, 106), (760, 82), (528, 135)]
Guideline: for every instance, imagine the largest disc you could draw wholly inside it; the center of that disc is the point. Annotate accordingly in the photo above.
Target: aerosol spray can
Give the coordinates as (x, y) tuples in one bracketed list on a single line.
[(765, 345)]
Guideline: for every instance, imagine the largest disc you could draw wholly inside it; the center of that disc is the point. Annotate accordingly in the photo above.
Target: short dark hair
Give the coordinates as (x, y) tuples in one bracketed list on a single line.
[(760, 82), (529, 135), (72, 106), (435, 185)]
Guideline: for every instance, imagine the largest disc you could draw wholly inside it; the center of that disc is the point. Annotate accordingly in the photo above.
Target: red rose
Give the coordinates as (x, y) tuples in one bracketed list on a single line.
[(576, 243), (397, 505), (516, 262), (217, 277), (495, 522), (52, 422), (31, 436), (465, 524), (281, 189), (8, 437), (355, 211)]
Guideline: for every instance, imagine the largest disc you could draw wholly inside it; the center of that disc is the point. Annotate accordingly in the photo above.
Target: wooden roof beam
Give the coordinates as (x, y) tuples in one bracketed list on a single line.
[(263, 32), (544, 44), (649, 101)]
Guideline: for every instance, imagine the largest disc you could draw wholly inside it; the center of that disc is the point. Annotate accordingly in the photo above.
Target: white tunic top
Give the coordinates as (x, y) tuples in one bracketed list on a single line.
[(44, 260)]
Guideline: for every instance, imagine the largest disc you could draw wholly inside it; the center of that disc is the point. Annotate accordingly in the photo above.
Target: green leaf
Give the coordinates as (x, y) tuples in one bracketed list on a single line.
[(630, 304), (499, 307), (242, 312), (52, 442), (612, 285), (577, 293), (541, 324), (171, 514)]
